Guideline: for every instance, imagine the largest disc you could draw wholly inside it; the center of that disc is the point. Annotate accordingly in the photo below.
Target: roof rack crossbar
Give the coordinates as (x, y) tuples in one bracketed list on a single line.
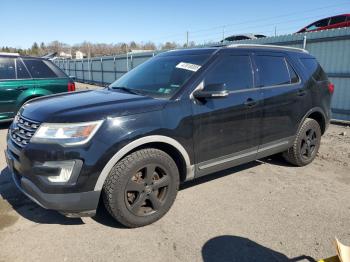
[(269, 46)]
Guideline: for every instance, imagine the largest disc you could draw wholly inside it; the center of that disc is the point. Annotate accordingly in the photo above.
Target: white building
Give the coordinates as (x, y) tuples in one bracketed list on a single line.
[(79, 55), (136, 51), (65, 55)]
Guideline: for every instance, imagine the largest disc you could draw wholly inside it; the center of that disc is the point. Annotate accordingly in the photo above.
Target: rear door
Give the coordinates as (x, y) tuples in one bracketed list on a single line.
[(285, 99), (15, 82), (48, 78), (226, 130)]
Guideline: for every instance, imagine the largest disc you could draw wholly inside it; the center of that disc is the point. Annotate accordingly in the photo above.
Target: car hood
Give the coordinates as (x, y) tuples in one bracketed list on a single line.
[(88, 106)]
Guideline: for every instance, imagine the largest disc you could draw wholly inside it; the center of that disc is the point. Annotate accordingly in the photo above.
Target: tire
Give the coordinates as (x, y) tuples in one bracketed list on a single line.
[(141, 188), (306, 144)]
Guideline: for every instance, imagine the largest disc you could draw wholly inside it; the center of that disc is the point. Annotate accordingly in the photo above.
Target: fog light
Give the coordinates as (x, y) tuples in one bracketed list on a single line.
[(66, 169)]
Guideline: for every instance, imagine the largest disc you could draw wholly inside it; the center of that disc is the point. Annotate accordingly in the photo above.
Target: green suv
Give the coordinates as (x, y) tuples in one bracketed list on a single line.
[(24, 78)]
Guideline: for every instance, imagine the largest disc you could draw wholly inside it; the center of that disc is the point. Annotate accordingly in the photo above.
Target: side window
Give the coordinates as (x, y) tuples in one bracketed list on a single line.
[(292, 74), (58, 72), (22, 72), (234, 71), (318, 24), (273, 70), (7, 68), (38, 69), (313, 69), (338, 19)]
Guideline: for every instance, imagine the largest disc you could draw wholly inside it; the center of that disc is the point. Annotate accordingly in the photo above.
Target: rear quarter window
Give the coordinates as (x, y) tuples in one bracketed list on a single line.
[(313, 69), (39, 69), (55, 69)]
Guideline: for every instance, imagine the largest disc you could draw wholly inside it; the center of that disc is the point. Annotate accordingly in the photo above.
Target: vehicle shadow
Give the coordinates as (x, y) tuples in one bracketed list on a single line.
[(5, 125), (27, 208), (276, 160), (217, 175), (104, 218), (240, 249), (31, 211)]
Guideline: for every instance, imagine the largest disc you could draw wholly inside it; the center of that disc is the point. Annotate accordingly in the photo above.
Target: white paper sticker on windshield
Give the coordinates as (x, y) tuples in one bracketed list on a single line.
[(188, 66)]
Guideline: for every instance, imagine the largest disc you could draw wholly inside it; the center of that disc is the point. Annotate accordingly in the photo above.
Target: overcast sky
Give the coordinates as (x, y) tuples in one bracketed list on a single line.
[(26, 21)]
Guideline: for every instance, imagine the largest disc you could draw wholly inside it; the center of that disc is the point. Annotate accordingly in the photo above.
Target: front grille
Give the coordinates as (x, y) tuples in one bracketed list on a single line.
[(22, 130)]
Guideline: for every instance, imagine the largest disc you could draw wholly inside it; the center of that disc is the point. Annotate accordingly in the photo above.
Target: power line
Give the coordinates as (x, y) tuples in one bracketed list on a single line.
[(284, 22), (191, 33), (271, 18), (244, 29)]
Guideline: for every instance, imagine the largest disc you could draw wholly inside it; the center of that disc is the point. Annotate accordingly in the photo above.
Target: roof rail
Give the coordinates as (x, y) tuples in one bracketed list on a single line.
[(269, 46), (9, 54)]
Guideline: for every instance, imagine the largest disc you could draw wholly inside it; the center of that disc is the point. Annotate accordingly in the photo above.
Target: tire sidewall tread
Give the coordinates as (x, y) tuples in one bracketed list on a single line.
[(292, 155), (114, 186)]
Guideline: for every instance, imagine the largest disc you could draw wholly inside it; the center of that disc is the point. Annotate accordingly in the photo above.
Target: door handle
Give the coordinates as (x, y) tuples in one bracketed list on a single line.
[(21, 88), (250, 102), (301, 92)]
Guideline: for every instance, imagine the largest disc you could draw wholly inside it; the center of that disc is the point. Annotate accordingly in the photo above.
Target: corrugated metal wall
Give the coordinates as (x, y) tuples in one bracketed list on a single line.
[(330, 47), (102, 70)]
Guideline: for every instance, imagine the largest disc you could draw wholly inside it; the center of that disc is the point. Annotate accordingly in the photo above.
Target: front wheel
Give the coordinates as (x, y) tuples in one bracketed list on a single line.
[(141, 188), (306, 144)]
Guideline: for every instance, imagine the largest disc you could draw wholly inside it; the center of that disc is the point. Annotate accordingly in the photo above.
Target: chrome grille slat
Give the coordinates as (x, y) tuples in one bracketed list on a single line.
[(29, 120), (21, 136), (26, 128), (22, 131)]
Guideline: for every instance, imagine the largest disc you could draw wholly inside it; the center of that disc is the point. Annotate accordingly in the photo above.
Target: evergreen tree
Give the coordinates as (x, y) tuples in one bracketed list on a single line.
[(35, 49)]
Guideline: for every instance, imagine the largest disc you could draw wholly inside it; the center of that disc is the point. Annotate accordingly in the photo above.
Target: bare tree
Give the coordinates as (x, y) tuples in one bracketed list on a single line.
[(92, 49), (169, 45)]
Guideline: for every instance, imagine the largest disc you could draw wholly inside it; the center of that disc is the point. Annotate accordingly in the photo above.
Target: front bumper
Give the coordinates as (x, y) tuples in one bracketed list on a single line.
[(73, 204), (70, 204)]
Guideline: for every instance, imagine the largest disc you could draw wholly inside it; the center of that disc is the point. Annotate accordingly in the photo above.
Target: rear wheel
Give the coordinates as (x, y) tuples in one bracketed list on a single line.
[(306, 144), (141, 188)]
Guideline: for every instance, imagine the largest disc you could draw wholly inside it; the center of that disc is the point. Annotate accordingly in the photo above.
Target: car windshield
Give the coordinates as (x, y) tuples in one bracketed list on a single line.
[(161, 76)]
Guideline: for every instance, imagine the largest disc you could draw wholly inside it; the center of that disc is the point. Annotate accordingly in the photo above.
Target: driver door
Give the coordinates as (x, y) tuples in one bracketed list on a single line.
[(227, 130)]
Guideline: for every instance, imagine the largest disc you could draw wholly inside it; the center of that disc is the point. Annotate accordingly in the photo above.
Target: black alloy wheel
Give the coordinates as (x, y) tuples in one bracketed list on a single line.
[(147, 190)]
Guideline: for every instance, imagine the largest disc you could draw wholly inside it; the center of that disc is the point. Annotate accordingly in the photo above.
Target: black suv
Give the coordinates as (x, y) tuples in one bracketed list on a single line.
[(180, 115)]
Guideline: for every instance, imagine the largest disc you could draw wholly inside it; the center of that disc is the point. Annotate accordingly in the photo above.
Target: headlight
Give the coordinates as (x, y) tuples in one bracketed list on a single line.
[(67, 134)]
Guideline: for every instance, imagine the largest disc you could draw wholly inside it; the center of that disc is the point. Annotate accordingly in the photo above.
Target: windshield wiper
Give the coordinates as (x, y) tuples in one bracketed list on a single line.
[(129, 90)]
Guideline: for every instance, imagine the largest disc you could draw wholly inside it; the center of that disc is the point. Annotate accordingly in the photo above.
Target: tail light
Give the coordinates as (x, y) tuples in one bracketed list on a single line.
[(331, 88), (71, 86)]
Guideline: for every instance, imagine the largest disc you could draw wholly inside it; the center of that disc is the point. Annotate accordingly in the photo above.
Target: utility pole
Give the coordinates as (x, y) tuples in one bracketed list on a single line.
[(223, 32), (89, 61), (304, 42), (275, 30), (187, 39)]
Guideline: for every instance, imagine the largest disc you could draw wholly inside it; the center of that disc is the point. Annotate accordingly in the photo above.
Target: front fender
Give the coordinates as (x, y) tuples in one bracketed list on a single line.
[(123, 134)]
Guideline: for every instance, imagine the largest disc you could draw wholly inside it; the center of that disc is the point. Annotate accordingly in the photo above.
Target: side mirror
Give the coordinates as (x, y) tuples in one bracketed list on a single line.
[(73, 78), (212, 91)]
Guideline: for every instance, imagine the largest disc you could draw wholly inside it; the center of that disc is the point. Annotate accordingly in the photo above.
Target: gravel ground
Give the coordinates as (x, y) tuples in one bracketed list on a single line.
[(84, 86), (262, 211)]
